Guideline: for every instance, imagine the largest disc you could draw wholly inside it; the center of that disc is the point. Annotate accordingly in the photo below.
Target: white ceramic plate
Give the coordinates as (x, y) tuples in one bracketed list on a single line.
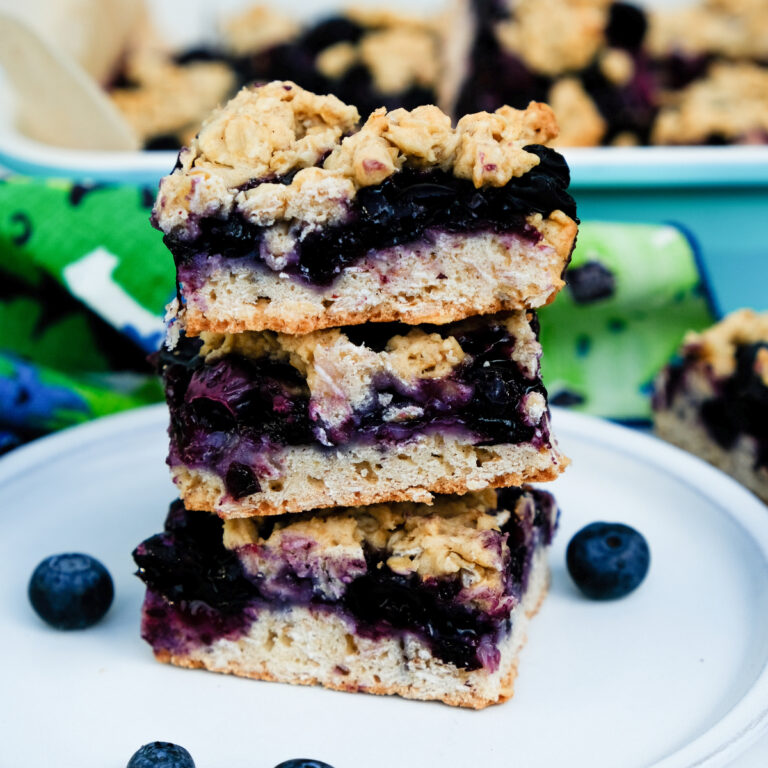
[(672, 676)]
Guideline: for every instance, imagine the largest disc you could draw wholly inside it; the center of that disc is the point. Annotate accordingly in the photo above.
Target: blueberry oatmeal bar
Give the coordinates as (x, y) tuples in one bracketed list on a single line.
[(713, 401), (285, 214), (265, 423), (426, 602)]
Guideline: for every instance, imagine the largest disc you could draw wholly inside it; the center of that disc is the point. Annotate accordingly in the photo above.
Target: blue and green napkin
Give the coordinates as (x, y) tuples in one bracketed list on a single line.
[(84, 279)]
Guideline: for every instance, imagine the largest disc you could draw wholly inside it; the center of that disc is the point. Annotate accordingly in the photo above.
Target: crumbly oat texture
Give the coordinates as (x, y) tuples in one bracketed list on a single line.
[(735, 29), (262, 132), (305, 647), (453, 537), (257, 29), (309, 477), (450, 278), (340, 374), (730, 102), (583, 125), (399, 55), (168, 98), (716, 347), (554, 37), (270, 130)]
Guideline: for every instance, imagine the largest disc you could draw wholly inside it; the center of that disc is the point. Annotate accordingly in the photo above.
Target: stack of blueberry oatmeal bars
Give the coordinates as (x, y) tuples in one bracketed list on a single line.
[(353, 376)]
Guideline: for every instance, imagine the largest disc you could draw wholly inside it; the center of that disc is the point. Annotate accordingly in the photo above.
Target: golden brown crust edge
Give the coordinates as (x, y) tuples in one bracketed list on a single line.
[(457, 700), (257, 317), (205, 499)]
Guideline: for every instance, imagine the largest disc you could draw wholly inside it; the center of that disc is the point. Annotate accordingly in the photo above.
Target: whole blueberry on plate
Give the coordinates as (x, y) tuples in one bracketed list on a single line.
[(161, 754), (70, 591), (608, 560), (303, 762)]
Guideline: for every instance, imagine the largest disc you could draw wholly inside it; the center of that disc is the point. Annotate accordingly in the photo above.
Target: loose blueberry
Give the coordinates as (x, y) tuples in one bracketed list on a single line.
[(303, 762), (70, 591), (161, 754), (608, 560)]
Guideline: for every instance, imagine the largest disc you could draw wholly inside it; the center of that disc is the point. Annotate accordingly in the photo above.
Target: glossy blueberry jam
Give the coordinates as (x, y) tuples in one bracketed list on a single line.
[(198, 591), (230, 416), (410, 206)]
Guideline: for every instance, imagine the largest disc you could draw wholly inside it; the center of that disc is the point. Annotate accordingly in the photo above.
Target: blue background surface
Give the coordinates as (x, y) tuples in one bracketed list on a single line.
[(728, 224)]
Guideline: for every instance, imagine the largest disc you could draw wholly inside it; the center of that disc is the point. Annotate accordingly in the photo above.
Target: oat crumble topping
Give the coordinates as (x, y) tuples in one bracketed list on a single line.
[(731, 28), (555, 36), (257, 29), (268, 131), (717, 345), (170, 99), (731, 101), (583, 125), (445, 539)]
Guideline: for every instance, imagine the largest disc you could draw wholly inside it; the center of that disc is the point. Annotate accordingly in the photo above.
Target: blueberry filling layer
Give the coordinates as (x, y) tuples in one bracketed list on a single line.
[(200, 592), (230, 416), (741, 406), (409, 207)]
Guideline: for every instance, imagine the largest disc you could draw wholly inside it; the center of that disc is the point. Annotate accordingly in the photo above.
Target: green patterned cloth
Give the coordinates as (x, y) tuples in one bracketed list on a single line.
[(601, 355), (84, 279), (83, 282)]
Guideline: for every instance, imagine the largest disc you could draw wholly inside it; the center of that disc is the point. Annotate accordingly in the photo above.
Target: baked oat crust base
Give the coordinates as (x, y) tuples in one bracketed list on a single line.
[(312, 478), (682, 427), (456, 278)]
